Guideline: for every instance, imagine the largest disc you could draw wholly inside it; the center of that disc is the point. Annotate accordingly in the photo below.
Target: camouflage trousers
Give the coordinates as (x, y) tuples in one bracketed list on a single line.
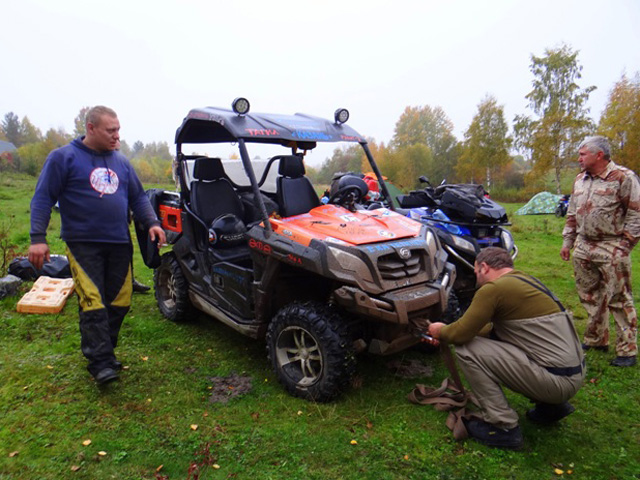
[(603, 281)]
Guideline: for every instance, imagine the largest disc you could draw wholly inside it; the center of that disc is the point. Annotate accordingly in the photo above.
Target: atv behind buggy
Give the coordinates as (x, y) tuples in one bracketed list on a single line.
[(466, 221), (320, 283)]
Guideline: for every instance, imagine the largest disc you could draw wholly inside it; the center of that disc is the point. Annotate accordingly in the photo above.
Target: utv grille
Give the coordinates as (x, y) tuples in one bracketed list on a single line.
[(393, 267)]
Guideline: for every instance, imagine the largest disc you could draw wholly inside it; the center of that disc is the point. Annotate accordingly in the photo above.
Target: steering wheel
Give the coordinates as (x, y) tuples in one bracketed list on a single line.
[(348, 194)]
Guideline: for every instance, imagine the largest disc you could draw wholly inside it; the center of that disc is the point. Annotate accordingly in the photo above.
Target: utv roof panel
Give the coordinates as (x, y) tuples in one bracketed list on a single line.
[(217, 125)]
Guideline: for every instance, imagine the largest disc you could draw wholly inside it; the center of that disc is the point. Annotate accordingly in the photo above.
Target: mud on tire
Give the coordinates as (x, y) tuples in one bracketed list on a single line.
[(311, 351), (172, 289)]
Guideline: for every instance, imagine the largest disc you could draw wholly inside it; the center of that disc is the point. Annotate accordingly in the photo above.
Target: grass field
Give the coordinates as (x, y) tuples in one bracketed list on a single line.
[(159, 421)]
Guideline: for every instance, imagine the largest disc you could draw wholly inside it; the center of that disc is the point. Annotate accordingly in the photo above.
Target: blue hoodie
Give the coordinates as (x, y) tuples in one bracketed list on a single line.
[(95, 191)]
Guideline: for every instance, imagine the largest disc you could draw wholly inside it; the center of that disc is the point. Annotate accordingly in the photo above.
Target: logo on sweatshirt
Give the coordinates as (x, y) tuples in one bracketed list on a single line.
[(104, 181)]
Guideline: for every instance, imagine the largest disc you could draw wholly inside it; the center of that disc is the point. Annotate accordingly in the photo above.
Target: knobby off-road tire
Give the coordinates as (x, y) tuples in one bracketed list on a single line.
[(311, 351), (172, 289)]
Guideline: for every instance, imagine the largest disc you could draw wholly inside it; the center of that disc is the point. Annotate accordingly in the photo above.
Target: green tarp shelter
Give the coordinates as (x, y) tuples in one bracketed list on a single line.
[(394, 192), (540, 203)]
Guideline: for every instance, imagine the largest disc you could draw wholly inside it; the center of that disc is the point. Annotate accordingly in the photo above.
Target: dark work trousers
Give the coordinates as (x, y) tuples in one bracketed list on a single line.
[(103, 282)]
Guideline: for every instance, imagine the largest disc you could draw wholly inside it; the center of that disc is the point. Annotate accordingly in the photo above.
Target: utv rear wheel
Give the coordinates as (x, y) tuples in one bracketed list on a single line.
[(311, 351), (172, 289)]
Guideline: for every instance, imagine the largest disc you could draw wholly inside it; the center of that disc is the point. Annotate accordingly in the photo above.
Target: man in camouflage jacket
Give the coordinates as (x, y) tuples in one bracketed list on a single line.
[(603, 226)]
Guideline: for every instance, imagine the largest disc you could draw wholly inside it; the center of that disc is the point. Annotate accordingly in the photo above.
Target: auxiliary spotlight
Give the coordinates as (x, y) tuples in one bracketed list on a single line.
[(341, 116), (241, 106)]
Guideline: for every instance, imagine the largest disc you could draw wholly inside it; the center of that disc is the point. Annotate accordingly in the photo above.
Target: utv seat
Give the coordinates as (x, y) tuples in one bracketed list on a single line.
[(212, 194), (294, 192)]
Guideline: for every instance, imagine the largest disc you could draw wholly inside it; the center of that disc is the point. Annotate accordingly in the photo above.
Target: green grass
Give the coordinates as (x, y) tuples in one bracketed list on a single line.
[(49, 405)]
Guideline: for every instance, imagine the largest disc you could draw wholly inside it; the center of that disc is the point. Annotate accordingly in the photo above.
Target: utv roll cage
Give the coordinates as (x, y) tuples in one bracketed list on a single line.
[(300, 132)]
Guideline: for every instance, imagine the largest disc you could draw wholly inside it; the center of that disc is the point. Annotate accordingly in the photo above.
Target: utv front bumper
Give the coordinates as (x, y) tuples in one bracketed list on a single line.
[(402, 306)]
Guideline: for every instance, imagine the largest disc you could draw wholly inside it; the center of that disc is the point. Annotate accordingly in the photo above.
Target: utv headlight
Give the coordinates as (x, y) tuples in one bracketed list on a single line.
[(432, 243), (351, 263), (507, 240)]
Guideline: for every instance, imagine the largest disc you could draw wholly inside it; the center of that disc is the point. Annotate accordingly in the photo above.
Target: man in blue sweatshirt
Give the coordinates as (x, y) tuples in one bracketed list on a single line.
[(95, 186)]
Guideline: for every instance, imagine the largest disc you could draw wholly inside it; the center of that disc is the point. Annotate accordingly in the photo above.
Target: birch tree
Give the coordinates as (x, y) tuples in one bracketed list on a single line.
[(560, 119)]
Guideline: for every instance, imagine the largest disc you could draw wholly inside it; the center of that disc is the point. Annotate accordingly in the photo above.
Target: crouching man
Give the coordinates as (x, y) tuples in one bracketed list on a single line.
[(531, 347)]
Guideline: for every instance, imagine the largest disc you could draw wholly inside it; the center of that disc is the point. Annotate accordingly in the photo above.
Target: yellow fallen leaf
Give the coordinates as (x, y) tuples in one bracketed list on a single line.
[(159, 468), (144, 359), (569, 472), (216, 466), (354, 442), (26, 387), (205, 414), (49, 367), (194, 426), (557, 471), (126, 367), (406, 457), (87, 442), (13, 454), (102, 453), (75, 468), (299, 412), (148, 400)]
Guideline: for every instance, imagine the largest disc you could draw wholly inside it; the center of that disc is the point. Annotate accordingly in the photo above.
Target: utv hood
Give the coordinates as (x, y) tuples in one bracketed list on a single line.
[(339, 225)]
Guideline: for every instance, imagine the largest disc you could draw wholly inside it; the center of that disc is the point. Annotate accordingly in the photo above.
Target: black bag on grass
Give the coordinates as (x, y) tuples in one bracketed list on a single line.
[(57, 267)]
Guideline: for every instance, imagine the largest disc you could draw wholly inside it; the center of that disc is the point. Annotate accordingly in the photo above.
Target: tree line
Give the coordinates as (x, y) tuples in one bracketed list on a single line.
[(511, 161), (152, 161)]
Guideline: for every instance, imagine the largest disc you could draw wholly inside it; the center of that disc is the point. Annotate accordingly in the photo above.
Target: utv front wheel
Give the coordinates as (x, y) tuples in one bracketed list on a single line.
[(172, 289), (311, 351)]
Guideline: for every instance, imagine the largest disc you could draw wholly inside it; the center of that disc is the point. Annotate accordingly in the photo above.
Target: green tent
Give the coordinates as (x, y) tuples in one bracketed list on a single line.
[(394, 192), (540, 203)]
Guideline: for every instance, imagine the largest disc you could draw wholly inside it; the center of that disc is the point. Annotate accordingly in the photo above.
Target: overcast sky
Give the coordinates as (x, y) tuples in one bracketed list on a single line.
[(152, 61)]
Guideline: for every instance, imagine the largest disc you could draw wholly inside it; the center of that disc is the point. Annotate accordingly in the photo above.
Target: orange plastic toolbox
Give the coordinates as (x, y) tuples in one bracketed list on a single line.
[(48, 295)]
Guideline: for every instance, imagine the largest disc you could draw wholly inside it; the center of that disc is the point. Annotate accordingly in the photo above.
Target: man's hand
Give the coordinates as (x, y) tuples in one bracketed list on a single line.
[(434, 329), (158, 232), (38, 254), (565, 253)]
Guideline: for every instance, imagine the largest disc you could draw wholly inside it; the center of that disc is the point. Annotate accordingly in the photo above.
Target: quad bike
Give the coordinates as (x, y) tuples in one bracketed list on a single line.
[(563, 204), (466, 221), (320, 283)]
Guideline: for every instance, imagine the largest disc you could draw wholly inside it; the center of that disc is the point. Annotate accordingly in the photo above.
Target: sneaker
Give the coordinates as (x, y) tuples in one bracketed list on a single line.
[(106, 375), (493, 436), (546, 413), (601, 348), (624, 361)]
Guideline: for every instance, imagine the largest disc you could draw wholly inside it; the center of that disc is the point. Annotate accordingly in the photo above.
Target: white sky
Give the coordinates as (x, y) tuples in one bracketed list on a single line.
[(152, 61)]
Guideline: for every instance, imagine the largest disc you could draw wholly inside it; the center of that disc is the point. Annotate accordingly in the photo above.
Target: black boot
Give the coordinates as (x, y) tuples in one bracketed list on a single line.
[(140, 287), (546, 413), (624, 361), (494, 436), (106, 375)]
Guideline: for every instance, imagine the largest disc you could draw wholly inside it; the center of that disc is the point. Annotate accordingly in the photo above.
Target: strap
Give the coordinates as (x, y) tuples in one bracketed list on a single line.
[(455, 422), (566, 371), (450, 394), (445, 398), (538, 285), (448, 360)]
